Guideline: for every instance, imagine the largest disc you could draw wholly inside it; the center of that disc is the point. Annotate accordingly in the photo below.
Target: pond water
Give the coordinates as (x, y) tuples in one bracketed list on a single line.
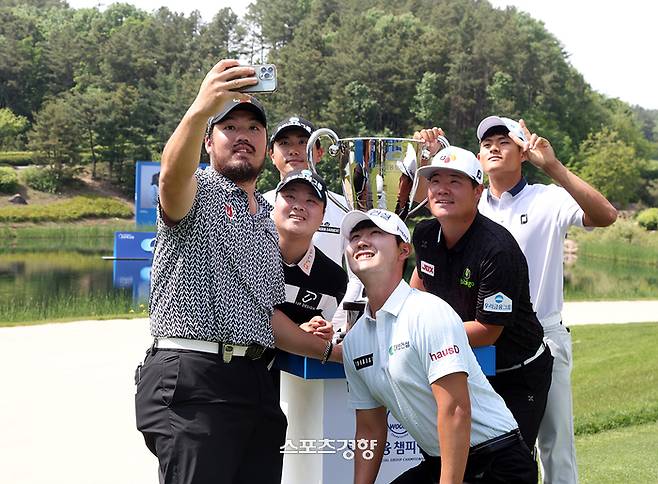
[(48, 284), (590, 279), (55, 284)]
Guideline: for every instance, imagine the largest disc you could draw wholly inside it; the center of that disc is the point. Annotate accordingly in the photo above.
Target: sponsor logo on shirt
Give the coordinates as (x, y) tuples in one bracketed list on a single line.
[(328, 228), (397, 347), (363, 361), (426, 268), (465, 279), (498, 303), (229, 210), (450, 350), (307, 299)]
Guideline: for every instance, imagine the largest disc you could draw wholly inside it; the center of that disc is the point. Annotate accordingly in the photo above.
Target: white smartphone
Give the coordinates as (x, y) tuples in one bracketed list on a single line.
[(266, 75)]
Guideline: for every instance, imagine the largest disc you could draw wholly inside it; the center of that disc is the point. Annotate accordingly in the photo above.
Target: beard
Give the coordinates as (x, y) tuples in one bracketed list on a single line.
[(240, 171)]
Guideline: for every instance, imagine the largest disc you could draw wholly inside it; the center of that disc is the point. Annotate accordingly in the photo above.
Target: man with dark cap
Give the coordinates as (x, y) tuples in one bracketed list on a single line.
[(205, 402), (315, 284), (287, 149)]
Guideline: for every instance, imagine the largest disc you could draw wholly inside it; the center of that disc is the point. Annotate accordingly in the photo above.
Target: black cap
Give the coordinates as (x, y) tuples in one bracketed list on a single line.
[(292, 122), (307, 176), (242, 101)]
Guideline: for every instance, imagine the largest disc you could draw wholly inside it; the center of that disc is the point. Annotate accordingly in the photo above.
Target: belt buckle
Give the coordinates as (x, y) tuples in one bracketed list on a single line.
[(227, 353), (254, 351)]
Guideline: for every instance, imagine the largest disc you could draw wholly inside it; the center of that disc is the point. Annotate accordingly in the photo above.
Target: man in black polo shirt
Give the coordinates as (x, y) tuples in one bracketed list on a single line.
[(477, 267), (315, 284)]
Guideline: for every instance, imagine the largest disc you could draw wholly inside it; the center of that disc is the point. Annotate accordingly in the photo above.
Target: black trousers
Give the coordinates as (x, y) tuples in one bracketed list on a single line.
[(511, 465), (210, 422), (525, 392)]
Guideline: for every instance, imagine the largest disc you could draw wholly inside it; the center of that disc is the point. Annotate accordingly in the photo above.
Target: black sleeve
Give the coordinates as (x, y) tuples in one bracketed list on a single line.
[(499, 289), (420, 233), (342, 285)]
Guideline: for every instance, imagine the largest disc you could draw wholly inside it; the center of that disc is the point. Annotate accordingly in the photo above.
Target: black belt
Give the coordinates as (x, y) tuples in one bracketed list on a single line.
[(488, 447), (497, 443)]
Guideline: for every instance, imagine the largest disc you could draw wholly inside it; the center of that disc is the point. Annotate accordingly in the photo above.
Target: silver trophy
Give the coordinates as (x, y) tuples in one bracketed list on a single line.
[(377, 172)]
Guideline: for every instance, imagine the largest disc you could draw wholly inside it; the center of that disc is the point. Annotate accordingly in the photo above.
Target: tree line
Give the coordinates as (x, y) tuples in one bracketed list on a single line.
[(90, 86)]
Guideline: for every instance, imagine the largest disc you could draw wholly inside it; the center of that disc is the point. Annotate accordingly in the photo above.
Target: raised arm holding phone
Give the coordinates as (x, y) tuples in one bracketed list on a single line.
[(205, 402)]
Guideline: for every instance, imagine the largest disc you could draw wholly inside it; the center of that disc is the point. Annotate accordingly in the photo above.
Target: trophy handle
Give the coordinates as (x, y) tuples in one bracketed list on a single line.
[(315, 135), (333, 150), (425, 156)]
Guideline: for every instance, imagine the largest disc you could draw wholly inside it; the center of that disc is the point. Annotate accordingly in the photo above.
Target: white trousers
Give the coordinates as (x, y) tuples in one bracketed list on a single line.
[(557, 448)]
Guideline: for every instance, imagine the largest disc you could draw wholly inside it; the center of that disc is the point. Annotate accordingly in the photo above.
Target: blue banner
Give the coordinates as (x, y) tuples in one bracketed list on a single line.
[(147, 178)]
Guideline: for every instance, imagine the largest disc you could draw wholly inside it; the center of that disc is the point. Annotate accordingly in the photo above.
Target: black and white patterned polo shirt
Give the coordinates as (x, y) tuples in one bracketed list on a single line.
[(217, 274)]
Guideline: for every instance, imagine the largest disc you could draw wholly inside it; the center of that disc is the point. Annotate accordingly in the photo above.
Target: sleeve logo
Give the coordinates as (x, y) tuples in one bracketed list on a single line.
[(363, 361), (498, 303), (426, 268), (450, 350)]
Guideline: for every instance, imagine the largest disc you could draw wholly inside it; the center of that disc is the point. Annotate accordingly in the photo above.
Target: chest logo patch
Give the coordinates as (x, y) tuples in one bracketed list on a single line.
[(498, 303), (228, 208), (307, 299), (397, 347), (427, 268), (327, 227), (465, 279), (363, 361), (524, 219)]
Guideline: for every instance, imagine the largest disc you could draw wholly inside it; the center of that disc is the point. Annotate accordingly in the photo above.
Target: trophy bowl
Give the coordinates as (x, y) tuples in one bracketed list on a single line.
[(377, 172)]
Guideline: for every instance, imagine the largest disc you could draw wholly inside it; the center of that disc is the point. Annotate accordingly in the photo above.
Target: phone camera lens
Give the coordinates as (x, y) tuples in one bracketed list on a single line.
[(263, 69), (270, 69)]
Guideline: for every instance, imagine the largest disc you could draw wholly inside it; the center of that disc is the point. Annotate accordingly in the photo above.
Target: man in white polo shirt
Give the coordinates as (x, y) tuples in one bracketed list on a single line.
[(538, 217), (409, 353)]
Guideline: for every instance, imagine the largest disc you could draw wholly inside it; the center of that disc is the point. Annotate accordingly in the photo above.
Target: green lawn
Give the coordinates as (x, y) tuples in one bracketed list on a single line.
[(615, 376), (628, 455), (616, 402)]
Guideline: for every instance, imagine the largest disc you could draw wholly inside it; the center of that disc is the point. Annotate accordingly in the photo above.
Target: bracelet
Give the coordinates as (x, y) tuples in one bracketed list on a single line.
[(327, 352)]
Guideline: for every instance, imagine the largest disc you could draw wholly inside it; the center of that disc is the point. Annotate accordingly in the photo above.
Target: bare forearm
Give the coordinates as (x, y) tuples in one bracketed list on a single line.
[(454, 428), (480, 334), (366, 470), (599, 212), (182, 152), (453, 423)]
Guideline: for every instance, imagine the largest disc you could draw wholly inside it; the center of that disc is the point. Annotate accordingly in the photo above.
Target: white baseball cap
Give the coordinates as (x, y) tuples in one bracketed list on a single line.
[(457, 159), (492, 121), (385, 220)]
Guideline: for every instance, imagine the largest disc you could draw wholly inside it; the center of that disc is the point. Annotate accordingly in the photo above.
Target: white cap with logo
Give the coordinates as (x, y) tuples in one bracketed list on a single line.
[(385, 220), (492, 121), (457, 159)]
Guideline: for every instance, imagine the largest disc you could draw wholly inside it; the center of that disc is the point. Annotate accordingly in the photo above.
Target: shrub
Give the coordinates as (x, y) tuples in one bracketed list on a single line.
[(48, 179), (8, 180), (16, 158), (648, 218), (68, 210)]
